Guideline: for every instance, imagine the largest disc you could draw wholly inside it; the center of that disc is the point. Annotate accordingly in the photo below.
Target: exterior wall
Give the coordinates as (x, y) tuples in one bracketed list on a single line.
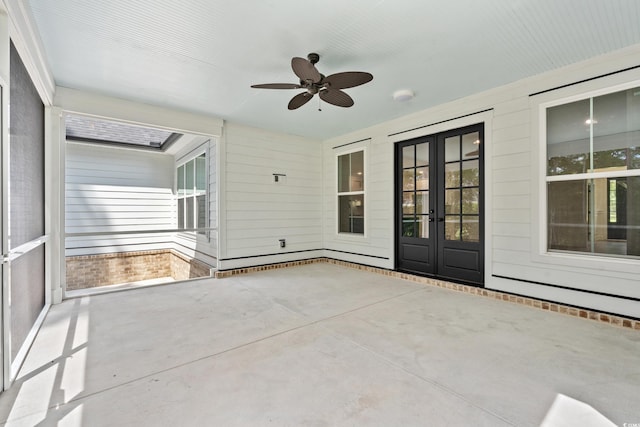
[(516, 260), (111, 190), (257, 211)]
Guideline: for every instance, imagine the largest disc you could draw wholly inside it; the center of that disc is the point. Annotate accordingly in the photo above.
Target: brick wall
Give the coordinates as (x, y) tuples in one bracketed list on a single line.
[(89, 271)]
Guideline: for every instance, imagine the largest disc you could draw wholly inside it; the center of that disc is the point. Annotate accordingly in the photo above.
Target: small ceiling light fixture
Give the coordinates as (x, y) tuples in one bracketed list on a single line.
[(403, 95)]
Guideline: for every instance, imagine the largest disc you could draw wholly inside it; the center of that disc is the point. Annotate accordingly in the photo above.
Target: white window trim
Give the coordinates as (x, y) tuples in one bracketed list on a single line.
[(616, 266), (343, 235), (202, 149)]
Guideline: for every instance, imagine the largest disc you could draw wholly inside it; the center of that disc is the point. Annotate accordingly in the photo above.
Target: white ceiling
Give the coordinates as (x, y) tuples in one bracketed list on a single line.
[(203, 55)]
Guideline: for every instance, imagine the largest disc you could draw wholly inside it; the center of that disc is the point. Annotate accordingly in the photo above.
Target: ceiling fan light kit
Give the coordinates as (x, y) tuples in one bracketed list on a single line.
[(329, 88)]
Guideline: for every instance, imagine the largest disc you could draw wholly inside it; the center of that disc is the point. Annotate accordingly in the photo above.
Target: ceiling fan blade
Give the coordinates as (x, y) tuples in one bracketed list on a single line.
[(305, 70), (299, 100), (336, 97), (276, 86), (348, 79)]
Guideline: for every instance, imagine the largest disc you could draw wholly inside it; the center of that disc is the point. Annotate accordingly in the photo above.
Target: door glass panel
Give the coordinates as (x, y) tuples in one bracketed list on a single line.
[(422, 178), (470, 228), (408, 226), (422, 154), (452, 175), (408, 179), (470, 200), (452, 202), (408, 157), (471, 173), (422, 227), (408, 204), (422, 202), (452, 228), (452, 149), (471, 145)]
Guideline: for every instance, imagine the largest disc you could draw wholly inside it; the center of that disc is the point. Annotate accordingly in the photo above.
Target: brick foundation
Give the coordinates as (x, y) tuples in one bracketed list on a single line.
[(90, 271)]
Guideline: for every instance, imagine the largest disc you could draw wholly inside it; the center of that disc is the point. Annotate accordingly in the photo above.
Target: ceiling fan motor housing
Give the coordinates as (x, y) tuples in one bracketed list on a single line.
[(313, 58)]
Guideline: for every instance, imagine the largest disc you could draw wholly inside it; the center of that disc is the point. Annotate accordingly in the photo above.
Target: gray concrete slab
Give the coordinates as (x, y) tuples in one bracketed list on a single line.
[(316, 345)]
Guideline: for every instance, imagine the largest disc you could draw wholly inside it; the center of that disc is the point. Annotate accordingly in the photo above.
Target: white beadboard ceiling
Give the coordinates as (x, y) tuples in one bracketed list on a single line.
[(203, 55)]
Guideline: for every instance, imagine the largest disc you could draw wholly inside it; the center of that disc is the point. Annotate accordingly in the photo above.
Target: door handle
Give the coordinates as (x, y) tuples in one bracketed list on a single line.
[(440, 219), (431, 220)]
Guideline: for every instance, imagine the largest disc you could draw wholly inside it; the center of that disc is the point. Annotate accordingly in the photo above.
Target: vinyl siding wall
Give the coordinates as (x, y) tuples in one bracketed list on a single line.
[(514, 190), (257, 211), (111, 190)]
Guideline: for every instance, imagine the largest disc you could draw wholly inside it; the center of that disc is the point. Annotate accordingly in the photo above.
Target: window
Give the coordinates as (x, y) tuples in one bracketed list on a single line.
[(192, 193), (593, 175), (351, 193)]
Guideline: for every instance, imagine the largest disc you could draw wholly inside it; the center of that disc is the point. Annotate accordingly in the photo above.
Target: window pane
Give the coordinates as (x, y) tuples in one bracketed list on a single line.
[(351, 172), (568, 138), (422, 154), (422, 178), (357, 171), (180, 173), (201, 173), (470, 200), (189, 223), (471, 145), (351, 214), (452, 201), (600, 216), (180, 213), (616, 129), (201, 202), (452, 175), (189, 177), (567, 215), (452, 149), (344, 171), (471, 173), (408, 157)]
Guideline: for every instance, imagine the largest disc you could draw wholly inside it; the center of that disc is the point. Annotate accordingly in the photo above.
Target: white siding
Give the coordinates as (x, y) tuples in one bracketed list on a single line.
[(112, 190), (513, 191), (259, 211)]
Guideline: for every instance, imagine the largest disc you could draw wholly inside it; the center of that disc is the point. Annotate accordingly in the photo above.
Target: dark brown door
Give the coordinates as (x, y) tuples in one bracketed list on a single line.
[(439, 198)]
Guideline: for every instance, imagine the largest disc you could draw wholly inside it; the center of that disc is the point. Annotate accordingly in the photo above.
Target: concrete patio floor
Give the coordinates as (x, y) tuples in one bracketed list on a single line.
[(316, 345)]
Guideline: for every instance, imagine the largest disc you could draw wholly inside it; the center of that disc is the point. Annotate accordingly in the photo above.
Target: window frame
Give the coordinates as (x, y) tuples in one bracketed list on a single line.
[(191, 157), (338, 194), (539, 229)]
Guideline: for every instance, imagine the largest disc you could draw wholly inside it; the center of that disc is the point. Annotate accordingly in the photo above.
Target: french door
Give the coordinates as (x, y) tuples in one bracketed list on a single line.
[(439, 205)]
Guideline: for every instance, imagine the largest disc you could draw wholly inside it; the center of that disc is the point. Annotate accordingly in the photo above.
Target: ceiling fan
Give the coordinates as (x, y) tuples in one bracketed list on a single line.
[(328, 87)]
